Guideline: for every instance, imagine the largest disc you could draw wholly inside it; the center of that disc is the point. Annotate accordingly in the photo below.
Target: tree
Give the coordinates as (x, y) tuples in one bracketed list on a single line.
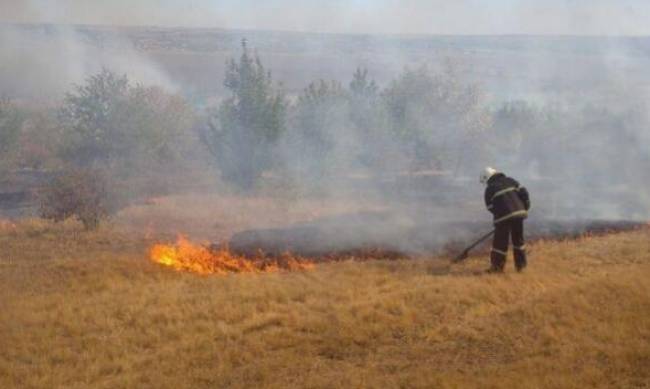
[(514, 123), (242, 132), (110, 124), (436, 115), (537, 138), (93, 117), (336, 130), (320, 115), (363, 88), (368, 119)]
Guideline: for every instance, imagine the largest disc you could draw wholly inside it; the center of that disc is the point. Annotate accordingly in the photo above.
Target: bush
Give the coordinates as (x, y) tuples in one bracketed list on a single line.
[(80, 193)]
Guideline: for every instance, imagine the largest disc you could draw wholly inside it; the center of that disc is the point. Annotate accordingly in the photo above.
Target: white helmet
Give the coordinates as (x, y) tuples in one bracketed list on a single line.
[(486, 174)]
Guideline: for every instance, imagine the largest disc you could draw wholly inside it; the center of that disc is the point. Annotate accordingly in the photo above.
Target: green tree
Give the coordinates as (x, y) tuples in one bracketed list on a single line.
[(318, 117), (93, 117), (368, 119), (243, 131), (110, 124), (436, 115)]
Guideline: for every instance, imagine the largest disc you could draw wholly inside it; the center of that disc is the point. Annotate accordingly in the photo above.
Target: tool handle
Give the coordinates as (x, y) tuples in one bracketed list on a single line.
[(465, 252), (484, 237)]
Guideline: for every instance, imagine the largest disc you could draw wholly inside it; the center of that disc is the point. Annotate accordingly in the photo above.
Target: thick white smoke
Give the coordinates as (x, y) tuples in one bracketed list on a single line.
[(44, 61)]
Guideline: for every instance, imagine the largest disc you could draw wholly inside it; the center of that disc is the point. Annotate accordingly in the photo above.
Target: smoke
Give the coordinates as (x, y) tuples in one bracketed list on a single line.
[(582, 146), (578, 137), (45, 61), (463, 17), (586, 152)]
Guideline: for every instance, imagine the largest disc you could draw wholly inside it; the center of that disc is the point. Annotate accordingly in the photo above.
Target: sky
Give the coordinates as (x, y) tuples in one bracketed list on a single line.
[(546, 17)]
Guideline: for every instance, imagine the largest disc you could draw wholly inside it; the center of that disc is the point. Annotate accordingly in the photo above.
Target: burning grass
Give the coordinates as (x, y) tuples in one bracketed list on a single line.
[(188, 256), (89, 309)]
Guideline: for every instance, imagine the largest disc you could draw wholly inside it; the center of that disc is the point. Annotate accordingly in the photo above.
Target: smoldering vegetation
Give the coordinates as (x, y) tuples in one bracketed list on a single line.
[(109, 123), (392, 236)]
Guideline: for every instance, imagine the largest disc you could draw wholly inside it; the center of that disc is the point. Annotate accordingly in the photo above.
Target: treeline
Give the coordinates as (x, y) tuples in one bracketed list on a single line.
[(107, 144), (145, 139), (422, 120)]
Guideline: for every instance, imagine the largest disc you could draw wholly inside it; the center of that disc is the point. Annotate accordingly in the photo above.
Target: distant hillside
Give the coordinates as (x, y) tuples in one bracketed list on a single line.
[(510, 67), (215, 40)]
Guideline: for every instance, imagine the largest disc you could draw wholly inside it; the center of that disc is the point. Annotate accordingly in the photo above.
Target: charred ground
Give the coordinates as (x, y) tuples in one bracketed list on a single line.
[(89, 309)]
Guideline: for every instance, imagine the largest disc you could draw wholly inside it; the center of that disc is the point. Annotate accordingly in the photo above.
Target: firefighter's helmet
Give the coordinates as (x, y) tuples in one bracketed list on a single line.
[(486, 174)]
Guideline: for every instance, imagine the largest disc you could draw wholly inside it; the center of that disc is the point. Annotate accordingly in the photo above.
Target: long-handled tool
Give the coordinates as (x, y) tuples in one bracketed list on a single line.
[(465, 252)]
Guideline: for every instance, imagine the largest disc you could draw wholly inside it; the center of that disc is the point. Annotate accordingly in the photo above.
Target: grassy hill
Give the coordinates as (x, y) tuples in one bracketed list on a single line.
[(90, 310), (534, 68)]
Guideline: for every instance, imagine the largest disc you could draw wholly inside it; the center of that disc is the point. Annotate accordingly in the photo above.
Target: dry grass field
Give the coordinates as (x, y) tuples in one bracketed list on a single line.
[(89, 310)]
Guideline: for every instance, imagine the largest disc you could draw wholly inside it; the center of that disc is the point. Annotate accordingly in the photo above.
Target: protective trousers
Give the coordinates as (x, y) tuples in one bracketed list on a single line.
[(513, 228)]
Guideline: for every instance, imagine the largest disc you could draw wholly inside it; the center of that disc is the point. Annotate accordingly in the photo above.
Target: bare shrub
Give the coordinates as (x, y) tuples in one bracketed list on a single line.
[(80, 193)]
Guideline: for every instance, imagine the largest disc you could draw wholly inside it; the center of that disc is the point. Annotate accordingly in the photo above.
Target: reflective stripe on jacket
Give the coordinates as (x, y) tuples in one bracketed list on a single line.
[(506, 199)]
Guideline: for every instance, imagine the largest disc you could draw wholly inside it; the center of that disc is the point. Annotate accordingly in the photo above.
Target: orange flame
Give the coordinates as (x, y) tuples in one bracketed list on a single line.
[(188, 256)]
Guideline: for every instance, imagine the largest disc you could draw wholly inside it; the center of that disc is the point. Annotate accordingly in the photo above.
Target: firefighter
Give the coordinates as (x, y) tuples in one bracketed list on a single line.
[(509, 203)]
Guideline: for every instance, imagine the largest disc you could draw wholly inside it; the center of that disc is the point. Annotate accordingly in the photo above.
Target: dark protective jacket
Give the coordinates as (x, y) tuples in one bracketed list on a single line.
[(506, 199)]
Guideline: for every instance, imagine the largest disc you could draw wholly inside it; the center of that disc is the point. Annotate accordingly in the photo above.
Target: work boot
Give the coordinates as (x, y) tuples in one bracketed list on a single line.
[(497, 262), (520, 259), (494, 270), (520, 263)]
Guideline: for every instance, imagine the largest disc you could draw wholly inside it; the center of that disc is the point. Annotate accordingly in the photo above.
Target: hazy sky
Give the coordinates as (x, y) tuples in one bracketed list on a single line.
[(591, 17)]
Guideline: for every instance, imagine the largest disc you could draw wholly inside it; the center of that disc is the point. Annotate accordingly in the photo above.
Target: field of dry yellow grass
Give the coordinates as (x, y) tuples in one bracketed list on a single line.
[(89, 310)]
